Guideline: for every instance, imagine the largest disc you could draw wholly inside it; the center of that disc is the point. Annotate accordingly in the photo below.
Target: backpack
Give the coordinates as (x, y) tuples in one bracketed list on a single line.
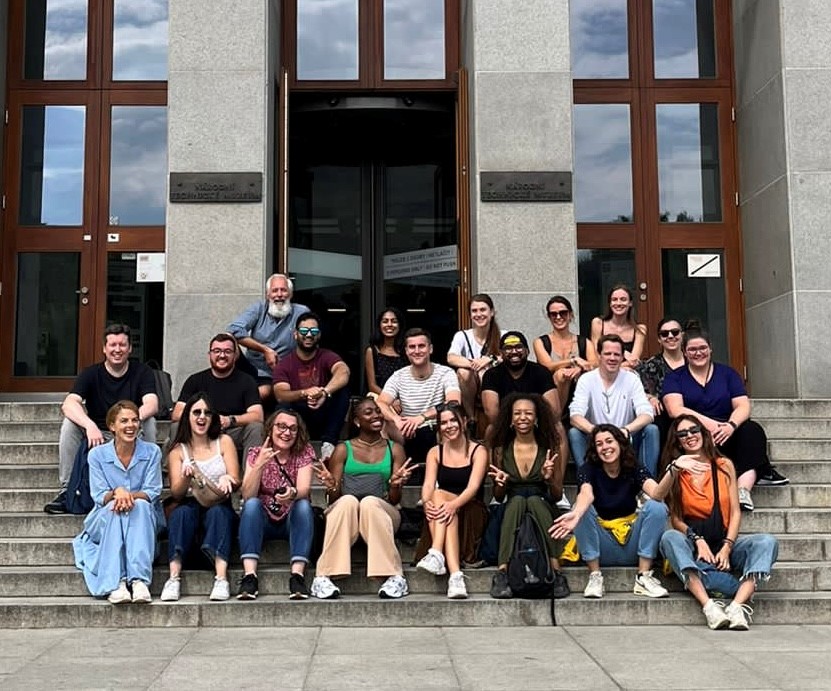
[(78, 497), (164, 390), (529, 569)]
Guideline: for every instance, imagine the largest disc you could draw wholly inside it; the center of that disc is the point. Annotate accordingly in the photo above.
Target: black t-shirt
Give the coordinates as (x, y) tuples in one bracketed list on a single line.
[(614, 497), (535, 379), (100, 390), (232, 395)]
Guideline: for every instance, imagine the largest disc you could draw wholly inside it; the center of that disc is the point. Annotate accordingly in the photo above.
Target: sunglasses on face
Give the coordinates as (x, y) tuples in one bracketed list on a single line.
[(666, 333), (308, 331), (558, 314), (201, 412), (684, 433)]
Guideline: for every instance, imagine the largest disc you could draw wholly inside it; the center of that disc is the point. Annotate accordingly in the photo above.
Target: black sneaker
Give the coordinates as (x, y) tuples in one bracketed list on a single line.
[(248, 587), (500, 590), (58, 504), (297, 587), (771, 476), (559, 588)]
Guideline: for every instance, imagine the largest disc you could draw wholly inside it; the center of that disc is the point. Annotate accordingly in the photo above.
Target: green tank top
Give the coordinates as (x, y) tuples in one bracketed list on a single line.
[(354, 467)]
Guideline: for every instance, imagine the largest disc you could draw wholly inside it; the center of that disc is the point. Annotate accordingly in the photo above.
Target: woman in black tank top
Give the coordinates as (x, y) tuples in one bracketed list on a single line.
[(452, 498)]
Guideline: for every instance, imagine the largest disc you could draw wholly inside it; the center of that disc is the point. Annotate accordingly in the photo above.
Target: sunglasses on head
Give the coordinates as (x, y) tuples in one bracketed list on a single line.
[(683, 433), (666, 333), (308, 331)]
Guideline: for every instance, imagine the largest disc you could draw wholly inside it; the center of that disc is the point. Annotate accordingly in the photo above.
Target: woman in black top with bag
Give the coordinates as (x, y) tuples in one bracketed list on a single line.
[(452, 497)]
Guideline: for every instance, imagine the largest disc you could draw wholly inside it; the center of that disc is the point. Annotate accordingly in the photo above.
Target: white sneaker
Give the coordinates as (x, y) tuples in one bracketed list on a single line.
[(172, 589), (324, 589), (594, 588), (745, 500), (456, 588), (739, 616), (120, 595), (647, 584), (716, 616), (563, 503), (221, 589), (394, 587), (433, 562), (141, 595), (326, 450)]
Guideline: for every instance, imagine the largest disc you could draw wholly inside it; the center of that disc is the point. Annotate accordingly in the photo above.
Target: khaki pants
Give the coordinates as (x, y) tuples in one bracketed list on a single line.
[(376, 521)]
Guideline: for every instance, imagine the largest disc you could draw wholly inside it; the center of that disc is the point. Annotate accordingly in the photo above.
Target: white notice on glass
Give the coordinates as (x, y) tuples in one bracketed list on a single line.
[(150, 267), (703, 266)]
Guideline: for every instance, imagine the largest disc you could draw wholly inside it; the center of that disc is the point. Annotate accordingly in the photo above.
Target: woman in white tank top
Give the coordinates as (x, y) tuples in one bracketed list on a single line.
[(200, 450)]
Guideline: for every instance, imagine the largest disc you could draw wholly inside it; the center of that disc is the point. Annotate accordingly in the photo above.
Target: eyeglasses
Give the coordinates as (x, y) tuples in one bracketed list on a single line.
[(666, 333), (308, 331), (698, 349), (221, 351), (282, 428), (684, 433), (201, 412), (558, 314)]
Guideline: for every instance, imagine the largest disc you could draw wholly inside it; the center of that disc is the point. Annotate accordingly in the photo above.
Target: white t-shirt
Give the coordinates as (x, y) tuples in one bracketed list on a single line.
[(465, 345), (618, 405), (418, 395)]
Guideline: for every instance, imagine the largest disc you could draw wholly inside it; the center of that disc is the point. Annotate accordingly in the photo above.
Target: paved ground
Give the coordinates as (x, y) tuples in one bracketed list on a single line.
[(677, 657)]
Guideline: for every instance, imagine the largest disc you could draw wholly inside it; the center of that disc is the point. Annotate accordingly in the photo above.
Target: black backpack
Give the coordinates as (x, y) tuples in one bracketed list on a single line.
[(529, 570), (78, 497), (164, 390)]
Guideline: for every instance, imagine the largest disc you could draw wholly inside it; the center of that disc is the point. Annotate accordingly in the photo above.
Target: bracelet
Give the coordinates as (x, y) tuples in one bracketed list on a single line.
[(733, 425), (729, 541)]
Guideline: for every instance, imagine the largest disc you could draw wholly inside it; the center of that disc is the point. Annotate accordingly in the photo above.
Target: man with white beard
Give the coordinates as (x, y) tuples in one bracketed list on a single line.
[(266, 329)]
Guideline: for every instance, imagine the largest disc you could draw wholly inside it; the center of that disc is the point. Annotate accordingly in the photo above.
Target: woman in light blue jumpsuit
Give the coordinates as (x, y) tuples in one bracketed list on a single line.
[(118, 542)]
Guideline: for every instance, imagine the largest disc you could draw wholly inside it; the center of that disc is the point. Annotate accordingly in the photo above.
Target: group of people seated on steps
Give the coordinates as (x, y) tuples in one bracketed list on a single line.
[(591, 399)]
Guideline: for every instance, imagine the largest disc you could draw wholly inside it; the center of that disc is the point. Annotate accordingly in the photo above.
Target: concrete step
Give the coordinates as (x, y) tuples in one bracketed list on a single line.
[(787, 409), (806, 472), (39, 411), (30, 453), (29, 477), (618, 609), (790, 520), (797, 428), (30, 431), (799, 449), (274, 610)]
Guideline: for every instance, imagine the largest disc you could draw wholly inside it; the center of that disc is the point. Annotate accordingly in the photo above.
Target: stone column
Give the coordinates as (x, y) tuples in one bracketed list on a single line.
[(221, 112), (783, 73), (521, 99)]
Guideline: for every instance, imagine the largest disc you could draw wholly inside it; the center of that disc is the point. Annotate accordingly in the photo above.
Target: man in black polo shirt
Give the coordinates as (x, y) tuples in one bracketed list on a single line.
[(95, 391), (233, 395)]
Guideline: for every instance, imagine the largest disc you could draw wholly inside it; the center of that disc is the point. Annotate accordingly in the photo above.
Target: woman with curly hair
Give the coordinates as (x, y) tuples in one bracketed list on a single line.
[(528, 471)]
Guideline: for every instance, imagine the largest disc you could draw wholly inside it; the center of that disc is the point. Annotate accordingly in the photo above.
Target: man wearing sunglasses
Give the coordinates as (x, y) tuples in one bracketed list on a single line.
[(614, 396), (312, 380), (232, 392)]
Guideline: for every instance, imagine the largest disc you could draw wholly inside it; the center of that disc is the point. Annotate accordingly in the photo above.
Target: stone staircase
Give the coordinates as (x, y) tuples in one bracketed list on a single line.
[(40, 588)]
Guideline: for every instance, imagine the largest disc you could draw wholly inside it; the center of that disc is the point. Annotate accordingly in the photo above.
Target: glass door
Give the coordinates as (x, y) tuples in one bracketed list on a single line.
[(372, 218)]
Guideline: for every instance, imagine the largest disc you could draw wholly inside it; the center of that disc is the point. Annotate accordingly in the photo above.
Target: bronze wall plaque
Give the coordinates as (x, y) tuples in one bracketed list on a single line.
[(526, 187), (213, 188)]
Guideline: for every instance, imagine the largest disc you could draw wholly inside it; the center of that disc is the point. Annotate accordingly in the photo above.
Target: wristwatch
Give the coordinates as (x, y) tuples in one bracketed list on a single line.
[(232, 421)]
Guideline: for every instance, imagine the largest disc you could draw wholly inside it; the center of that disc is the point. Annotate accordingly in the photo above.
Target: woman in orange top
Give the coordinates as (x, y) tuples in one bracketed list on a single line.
[(704, 547)]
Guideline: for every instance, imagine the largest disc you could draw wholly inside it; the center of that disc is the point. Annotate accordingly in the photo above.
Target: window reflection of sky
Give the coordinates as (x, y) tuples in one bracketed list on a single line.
[(138, 165), (414, 39), (327, 39), (140, 40), (688, 172), (57, 154), (63, 47), (599, 40), (684, 46), (602, 163)]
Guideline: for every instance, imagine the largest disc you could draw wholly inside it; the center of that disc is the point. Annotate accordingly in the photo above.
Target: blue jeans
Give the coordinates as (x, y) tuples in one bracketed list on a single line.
[(256, 526), (647, 444), (594, 542), (753, 556), (184, 521)]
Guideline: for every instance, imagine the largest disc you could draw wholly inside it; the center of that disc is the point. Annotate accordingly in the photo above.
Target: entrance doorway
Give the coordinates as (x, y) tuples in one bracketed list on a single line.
[(372, 217)]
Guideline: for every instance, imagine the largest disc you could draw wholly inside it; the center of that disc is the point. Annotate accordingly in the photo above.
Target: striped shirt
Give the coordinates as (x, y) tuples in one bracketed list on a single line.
[(418, 395)]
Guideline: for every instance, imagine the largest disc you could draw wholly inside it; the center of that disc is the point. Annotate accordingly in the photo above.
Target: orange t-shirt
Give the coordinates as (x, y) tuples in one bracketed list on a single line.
[(696, 493)]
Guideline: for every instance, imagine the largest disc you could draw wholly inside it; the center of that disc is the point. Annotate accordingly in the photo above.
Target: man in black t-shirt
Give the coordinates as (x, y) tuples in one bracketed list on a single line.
[(95, 391), (233, 395)]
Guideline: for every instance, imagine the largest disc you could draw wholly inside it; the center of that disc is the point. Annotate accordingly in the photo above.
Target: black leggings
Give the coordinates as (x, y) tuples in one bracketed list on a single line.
[(747, 447)]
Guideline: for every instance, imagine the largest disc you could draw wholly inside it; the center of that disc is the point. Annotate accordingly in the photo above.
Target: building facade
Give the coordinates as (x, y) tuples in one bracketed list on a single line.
[(413, 154)]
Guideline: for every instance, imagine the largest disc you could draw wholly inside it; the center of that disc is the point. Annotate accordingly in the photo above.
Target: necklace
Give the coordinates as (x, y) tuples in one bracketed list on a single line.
[(379, 440)]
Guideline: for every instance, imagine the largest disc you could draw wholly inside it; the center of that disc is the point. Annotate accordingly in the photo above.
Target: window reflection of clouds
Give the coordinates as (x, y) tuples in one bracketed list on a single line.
[(140, 40), (414, 39), (599, 39), (688, 163), (602, 163), (684, 39), (327, 39), (52, 176), (61, 51), (138, 165)]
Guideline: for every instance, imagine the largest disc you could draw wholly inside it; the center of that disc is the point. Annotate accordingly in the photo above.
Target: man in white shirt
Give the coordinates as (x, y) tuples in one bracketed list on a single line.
[(614, 396)]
